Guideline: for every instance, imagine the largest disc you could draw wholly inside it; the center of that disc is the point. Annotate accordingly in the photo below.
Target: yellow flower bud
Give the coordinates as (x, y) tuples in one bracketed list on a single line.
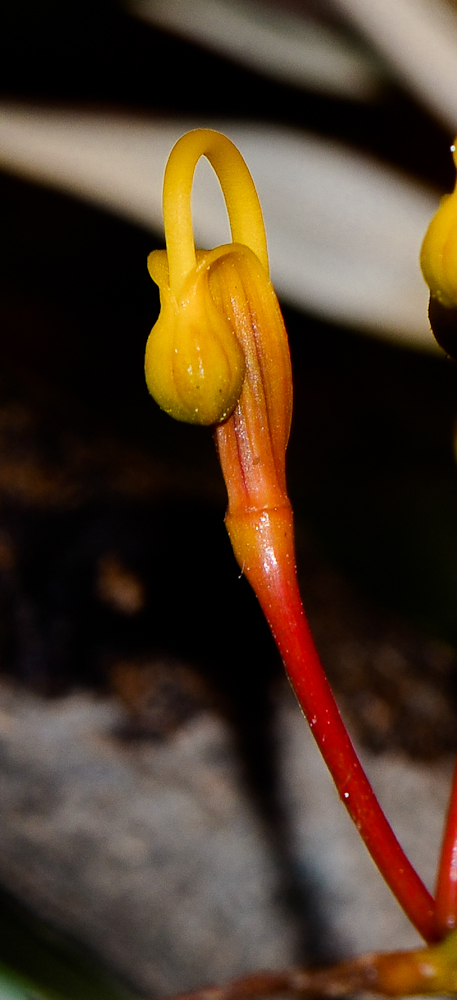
[(194, 364), (439, 251)]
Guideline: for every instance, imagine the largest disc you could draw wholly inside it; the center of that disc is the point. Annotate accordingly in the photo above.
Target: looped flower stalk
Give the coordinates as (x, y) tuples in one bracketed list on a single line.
[(219, 355)]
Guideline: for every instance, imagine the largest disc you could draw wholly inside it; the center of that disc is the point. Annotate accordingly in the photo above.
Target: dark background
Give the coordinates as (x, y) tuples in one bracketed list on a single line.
[(90, 469), (371, 468)]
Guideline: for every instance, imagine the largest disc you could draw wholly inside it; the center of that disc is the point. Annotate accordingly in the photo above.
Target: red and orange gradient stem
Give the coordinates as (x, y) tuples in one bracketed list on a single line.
[(439, 268), (244, 389), (446, 886), (271, 572)]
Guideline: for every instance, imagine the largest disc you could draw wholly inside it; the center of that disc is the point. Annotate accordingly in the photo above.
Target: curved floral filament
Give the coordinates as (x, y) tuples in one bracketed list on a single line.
[(241, 199)]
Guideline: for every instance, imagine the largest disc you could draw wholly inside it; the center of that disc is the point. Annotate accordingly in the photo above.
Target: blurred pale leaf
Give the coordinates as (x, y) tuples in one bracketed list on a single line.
[(344, 231), (284, 45), (418, 40)]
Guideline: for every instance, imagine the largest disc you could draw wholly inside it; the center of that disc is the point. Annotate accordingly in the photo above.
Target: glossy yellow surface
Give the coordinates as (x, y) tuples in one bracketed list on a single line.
[(439, 251), (194, 364)]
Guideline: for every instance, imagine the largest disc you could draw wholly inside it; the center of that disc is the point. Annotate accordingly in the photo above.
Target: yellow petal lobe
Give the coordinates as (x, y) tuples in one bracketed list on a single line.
[(194, 365)]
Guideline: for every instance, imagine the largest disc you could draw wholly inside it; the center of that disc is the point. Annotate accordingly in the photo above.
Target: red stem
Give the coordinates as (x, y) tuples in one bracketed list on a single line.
[(446, 887), (280, 600)]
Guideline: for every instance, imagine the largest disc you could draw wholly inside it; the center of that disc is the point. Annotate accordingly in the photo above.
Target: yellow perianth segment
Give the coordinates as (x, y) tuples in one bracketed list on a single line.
[(194, 364), (243, 206)]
